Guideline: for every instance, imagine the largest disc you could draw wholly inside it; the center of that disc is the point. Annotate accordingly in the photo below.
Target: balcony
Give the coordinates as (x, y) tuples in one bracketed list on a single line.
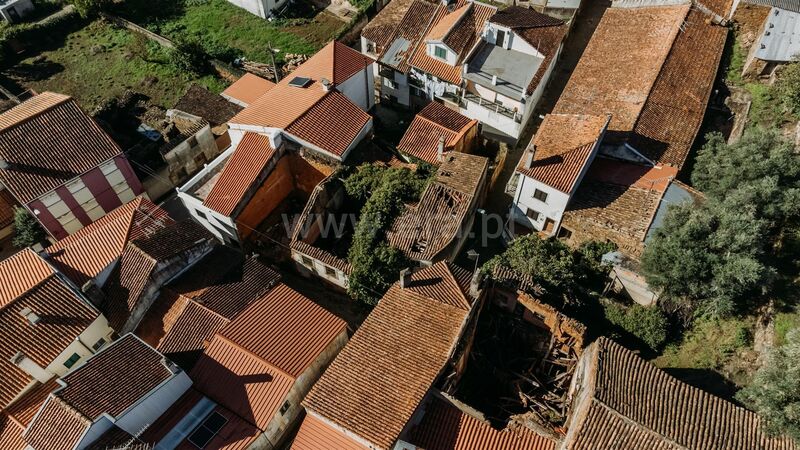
[(491, 106), (386, 72)]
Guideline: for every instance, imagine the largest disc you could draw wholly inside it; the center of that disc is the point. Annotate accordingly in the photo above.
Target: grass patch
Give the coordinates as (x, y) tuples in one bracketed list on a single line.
[(708, 345), (217, 23), (784, 322), (99, 62), (734, 58), (765, 107)]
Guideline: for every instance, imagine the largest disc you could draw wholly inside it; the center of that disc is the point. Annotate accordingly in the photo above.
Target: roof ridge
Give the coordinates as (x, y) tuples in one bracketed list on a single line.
[(253, 354), (469, 5), (447, 265), (15, 123), (71, 409)]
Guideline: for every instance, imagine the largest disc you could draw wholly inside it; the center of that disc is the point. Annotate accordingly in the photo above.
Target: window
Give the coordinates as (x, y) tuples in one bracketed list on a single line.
[(201, 214), (330, 272), (564, 233), (540, 195), (307, 261), (99, 344), (192, 141), (201, 436), (72, 360), (500, 39), (533, 215), (285, 407), (439, 52), (389, 83)]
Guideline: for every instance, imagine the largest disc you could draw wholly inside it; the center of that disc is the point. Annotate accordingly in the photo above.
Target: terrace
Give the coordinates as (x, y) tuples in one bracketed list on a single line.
[(507, 72)]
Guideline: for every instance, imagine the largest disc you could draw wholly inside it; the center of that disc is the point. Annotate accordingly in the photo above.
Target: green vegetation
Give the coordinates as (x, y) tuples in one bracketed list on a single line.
[(648, 324), (729, 246), (100, 62), (88, 8), (566, 276), (27, 230), (709, 344), (375, 264), (775, 390), (785, 322), (226, 31)]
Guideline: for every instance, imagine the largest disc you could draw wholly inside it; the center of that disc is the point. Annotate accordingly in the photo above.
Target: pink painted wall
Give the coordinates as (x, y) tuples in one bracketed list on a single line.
[(101, 189), (127, 171)]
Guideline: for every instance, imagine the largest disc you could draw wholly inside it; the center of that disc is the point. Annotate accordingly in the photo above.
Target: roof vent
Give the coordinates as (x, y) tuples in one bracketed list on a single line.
[(326, 84), (3, 164), (32, 317), (300, 82)]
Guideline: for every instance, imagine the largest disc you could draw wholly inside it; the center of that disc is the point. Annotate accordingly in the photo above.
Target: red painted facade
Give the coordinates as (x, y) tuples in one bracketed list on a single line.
[(101, 190)]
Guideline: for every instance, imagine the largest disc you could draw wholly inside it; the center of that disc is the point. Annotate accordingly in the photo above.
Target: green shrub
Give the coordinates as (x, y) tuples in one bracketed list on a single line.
[(649, 324), (189, 56), (27, 230)]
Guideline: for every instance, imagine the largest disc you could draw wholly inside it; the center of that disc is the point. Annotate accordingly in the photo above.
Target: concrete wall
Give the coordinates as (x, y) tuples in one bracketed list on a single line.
[(359, 88), (318, 268), (84, 199), (451, 58), (21, 8), (553, 208), (184, 160), (278, 185), (257, 7), (400, 90), (276, 430)]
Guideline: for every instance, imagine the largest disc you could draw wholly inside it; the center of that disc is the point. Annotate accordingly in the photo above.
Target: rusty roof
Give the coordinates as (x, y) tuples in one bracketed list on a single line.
[(603, 82), (633, 404), (86, 253), (411, 29), (375, 384), (63, 317), (252, 155), (248, 88), (435, 121), (382, 28), (333, 124), (561, 149), (445, 427), (47, 141)]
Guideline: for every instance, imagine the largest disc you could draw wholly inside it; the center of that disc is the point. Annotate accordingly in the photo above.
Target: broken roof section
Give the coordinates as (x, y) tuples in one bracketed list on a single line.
[(658, 107), (47, 141), (434, 122), (247, 89), (623, 401), (376, 383), (408, 30), (561, 149), (425, 231)]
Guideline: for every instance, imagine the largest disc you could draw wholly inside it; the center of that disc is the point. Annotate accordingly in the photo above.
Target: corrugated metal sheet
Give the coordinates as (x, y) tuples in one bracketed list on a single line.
[(248, 160), (47, 141), (298, 329), (787, 5), (780, 40)]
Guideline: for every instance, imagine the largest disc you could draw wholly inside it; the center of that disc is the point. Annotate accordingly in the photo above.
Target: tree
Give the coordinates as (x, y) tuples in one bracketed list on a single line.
[(775, 391), (648, 324), (27, 231), (87, 8), (787, 88), (189, 56), (565, 275)]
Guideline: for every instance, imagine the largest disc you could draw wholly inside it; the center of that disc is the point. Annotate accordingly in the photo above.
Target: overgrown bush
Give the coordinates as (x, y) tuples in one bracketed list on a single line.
[(787, 88), (88, 8), (27, 230), (648, 324), (189, 56)]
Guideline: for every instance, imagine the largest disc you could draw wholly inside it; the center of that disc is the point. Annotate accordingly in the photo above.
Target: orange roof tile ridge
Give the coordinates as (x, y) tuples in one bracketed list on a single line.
[(305, 113), (247, 351), (64, 98), (455, 283), (71, 409), (469, 5)]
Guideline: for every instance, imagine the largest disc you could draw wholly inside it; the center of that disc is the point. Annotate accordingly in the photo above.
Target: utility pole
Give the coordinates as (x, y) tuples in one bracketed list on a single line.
[(272, 57)]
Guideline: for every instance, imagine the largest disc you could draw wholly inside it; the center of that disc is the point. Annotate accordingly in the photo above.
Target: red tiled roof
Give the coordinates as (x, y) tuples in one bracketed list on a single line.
[(24, 408), (633, 404), (248, 88), (561, 149), (516, 17), (332, 124), (435, 121), (315, 434), (57, 426), (374, 385), (86, 253), (382, 28), (240, 381), (299, 330), (20, 273), (445, 427), (7, 204), (400, 19), (47, 141), (547, 40), (445, 25), (249, 159), (236, 434), (10, 434), (63, 317)]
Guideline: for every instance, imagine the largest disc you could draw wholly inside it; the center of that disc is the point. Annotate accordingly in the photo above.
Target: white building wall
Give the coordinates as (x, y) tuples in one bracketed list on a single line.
[(99, 329), (495, 120), (257, 7), (360, 87), (318, 268), (452, 57), (150, 408), (553, 208), (95, 432)]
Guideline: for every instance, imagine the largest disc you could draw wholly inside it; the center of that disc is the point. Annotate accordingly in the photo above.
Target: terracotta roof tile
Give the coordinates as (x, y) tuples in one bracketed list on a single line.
[(299, 330), (47, 141), (602, 82), (517, 17), (57, 426), (561, 149), (469, 29), (374, 385), (547, 40), (86, 253), (635, 405), (7, 204), (382, 28), (249, 159), (20, 273), (411, 27), (248, 88), (421, 139), (241, 382), (445, 427), (24, 408), (442, 28), (315, 434), (63, 315), (332, 124), (10, 434)]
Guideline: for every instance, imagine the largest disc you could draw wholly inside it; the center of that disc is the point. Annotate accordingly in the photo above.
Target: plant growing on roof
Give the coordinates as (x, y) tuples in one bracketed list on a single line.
[(27, 230)]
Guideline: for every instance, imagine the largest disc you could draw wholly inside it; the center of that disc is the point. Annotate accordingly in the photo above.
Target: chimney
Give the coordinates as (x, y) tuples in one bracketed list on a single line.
[(494, 80), (326, 84), (93, 293), (440, 149), (475, 285), (30, 316), (405, 278), (3, 164), (529, 157), (30, 367)]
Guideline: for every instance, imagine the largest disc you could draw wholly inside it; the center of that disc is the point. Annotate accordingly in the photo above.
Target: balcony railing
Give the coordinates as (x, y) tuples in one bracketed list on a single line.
[(386, 72), (491, 106)]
